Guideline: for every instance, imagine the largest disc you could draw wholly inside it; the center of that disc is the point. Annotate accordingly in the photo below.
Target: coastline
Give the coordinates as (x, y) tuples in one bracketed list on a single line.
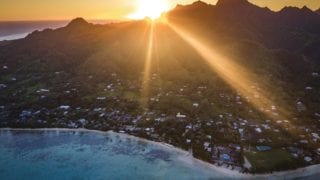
[(14, 37), (188, 158)]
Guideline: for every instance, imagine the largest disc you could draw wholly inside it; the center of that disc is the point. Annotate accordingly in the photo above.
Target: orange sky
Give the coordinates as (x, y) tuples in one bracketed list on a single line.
[(103, 9)]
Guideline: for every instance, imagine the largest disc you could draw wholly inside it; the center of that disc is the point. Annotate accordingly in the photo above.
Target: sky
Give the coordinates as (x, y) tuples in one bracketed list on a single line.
[(14, 10)]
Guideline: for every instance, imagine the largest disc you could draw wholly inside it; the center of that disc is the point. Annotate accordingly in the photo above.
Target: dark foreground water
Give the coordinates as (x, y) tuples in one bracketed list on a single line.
[(87, 155)]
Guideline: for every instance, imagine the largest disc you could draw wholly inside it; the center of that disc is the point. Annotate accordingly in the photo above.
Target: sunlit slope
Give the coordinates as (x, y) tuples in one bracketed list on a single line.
[(280, 46), (81, 50)]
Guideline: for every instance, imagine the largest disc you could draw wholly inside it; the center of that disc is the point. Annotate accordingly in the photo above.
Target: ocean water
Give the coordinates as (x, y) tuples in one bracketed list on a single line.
[(11, 30), (87, 155), (14, 36), (19, 29)]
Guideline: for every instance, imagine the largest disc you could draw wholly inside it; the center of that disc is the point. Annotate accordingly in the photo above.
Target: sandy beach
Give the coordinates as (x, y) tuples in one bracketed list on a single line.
[(189, 159)]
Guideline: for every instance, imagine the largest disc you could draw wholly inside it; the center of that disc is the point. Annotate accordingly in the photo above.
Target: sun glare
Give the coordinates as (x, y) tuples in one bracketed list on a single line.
[(238, 77), (147, 68), (150, 8)]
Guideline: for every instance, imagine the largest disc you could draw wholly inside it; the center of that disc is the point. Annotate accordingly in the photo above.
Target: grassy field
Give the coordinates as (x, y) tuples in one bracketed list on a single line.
[(270, 161)]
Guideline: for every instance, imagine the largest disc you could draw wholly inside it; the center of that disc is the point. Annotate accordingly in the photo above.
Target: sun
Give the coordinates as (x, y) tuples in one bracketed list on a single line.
[(150, 8)]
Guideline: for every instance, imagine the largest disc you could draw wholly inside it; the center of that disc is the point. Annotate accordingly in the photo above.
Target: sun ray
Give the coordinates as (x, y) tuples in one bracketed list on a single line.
[(147, 69), (236, 76)]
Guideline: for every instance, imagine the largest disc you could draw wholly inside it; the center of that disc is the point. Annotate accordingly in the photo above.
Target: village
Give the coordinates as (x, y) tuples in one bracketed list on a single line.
[(222, 129)]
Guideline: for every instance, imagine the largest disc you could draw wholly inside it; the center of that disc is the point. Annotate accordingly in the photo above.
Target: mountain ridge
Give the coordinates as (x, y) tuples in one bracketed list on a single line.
[(77, 22), (258, 23)]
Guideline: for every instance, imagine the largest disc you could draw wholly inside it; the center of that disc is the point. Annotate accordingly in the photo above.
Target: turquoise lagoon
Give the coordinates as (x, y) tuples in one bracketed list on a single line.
[(59, 154)]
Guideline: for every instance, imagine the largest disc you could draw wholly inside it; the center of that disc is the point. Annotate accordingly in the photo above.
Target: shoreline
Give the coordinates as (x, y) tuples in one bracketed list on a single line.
[(188, 158)]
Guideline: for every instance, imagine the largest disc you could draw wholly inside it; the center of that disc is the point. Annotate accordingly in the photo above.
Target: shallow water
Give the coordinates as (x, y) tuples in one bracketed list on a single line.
[(87, 155)]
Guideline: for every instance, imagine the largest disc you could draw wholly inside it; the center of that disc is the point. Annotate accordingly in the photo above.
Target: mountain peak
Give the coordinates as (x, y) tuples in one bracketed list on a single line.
[(296, 10), (232, 2), (78, 22), (199, 3), (195, 5), (306, 9)]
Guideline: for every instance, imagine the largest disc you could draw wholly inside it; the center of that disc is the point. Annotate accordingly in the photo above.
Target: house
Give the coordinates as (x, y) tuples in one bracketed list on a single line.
[(189, 126), (97, 109), (206, 145), (83, 122), (258, 130), (25, 114), (303, 141), (64, 107), (159, 119), (295, 150), (101, 98), (179, 115), (266, 126), (235, 146), (301, 107), (72, 125), (43, 91), (2, 86), (241, 132), (315, 135)]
